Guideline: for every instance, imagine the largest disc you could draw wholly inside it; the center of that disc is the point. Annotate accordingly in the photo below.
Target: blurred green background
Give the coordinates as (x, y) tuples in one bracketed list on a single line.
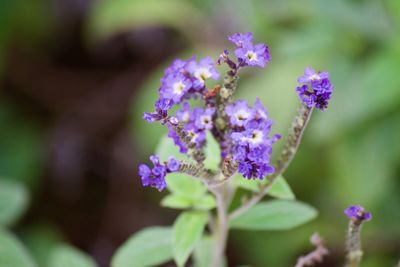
[(77, 75)]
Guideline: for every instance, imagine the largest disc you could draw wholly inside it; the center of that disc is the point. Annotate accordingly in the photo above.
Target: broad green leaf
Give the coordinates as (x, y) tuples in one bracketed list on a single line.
[(12, 252), (149, 247), (206, 202), (188, 229), (212, 152), (184, 185), (64, 255), (176, 202), (280, 188), (275, 215), (203, 253), (13, 201)]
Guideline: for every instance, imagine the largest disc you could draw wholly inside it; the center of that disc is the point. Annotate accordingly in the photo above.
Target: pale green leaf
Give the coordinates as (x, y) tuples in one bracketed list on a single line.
[(64, 255), (176, 202), (275, 215), (206, 202), (12, 252), (184, 185), (212, 152), (188, 229), (281, 189), (13, 201), (149, 247)]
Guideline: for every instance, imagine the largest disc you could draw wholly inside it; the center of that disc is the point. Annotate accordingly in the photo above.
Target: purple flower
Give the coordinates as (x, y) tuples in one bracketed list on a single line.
[(162, 106), (175, 87), (357, 213), (202, 71), (253, 55), (204, 118), (241, 39), (311, 75), (239, 113), (155, 177), (197, 136), (316, 88), (178, 66), (173, 164)]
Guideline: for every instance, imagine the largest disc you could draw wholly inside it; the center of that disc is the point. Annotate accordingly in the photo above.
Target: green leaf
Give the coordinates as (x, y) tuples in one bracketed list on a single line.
[(279, 189), (188, 229), (13, 201), (12, 252), (275, 215), (184, 185), (176, 202), (64, 255), (212, 152), (151, 246), (206, 202)]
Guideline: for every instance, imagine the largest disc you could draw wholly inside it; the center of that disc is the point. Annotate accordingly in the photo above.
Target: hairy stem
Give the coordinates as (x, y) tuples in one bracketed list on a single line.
[(223, 195), (354, 251), (299, 124)]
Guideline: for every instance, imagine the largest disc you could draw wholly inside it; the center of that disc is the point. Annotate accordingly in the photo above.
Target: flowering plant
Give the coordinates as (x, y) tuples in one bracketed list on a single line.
[(216, 148)]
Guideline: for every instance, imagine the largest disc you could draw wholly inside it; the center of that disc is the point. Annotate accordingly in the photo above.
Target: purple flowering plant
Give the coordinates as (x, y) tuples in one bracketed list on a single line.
[(221, 150)]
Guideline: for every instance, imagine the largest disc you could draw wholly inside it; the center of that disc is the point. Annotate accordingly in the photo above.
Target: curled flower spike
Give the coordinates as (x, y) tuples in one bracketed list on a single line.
[(155, 177), (357, 213), (315, 89)]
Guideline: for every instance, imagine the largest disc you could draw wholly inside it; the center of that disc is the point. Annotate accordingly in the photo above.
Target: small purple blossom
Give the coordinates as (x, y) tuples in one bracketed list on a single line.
[(316, 88), (204, 118), (155, 177), (201, 71), (174, 87), (241, 39), (357, 213), (239, 113), (162, 106), (253, 55)]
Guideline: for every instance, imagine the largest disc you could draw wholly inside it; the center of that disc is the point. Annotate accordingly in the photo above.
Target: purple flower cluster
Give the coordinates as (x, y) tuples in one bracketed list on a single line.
[(252, 146), (182, 80), (243, 131), (358, 213), (316, 89), (195, 122), (155, 177), (247, 53)]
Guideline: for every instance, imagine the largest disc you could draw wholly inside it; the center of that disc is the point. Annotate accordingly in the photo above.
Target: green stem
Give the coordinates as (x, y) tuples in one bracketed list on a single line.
[(354, 251)]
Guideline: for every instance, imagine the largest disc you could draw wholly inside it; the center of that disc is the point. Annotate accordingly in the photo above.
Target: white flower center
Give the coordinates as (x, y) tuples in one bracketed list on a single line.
[(177, 87), (241, 115), (251, 55), (257, 137), (205, 120), (315, 77), (202, 74), (185, 116)]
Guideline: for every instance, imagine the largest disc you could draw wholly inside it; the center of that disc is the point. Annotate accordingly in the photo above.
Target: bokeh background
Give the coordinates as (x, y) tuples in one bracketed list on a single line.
[(77, 75)]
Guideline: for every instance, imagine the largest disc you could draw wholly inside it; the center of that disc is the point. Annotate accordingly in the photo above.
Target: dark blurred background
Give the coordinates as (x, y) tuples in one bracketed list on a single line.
[(76, 76)]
